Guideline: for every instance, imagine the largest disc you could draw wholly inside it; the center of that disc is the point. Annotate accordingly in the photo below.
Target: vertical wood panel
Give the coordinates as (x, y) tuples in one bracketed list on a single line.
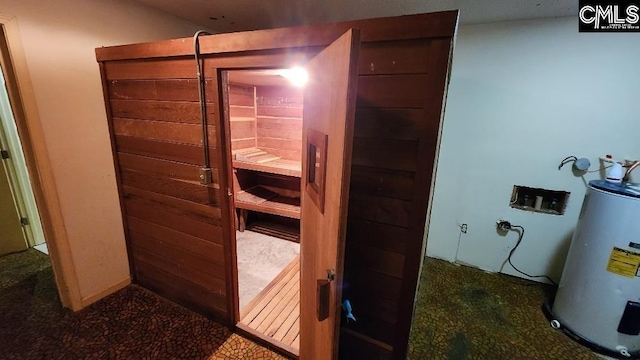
[(437, 81), (116, 164), (223, 156), (242, 130), (396, 133)]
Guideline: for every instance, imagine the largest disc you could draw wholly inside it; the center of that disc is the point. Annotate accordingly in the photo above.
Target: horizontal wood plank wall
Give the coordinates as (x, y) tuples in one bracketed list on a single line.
[(173, 223), (402, 78), (242, 116), (280, 120), (400, 92)]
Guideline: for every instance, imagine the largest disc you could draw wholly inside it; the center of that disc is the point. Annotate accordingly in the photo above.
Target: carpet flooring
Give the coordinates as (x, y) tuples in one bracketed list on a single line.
[(131, 324), (260, 259), (461, 313), (465, 313)]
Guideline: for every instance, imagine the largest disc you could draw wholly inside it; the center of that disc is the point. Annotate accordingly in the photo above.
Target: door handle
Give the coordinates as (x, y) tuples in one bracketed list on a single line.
[(323, 293)]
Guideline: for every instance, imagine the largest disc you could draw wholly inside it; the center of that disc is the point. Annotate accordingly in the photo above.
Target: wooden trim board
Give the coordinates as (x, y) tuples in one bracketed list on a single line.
[(411, 27), (106, 292), (37, 158)]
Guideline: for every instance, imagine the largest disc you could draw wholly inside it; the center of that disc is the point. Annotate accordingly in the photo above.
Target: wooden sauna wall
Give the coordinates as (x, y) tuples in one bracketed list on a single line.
[(242, 116), (400, 97), (401, 87), (172, 223), (280, 121), (278, 131)]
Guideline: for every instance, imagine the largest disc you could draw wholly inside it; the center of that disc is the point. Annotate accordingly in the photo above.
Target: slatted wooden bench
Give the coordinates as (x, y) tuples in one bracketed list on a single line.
[(260, 160), (266, 198)]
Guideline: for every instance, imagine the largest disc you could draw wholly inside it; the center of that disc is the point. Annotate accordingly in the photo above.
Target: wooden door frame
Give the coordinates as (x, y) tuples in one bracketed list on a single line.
[(36, 155), (223, 140), (222, 123)]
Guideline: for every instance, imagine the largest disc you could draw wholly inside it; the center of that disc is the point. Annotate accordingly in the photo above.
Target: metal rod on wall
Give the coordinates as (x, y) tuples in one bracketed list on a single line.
[(205, 172)]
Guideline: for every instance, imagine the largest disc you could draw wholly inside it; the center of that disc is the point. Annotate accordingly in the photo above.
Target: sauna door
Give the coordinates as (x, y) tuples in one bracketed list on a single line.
[(329, 111)]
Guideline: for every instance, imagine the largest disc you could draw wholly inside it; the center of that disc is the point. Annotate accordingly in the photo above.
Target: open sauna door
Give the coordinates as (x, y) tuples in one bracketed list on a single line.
[(328, 121)]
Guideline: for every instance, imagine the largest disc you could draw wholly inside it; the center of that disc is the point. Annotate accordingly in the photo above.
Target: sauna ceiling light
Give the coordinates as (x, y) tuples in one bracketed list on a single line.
[(297, 76)]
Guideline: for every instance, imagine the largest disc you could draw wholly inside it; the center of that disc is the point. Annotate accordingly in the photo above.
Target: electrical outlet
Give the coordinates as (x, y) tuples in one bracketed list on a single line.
[(503, 225)]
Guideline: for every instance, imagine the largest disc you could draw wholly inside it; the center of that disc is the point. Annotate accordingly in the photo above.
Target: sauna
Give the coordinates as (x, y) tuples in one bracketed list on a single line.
[(264, 116), (339, 172)]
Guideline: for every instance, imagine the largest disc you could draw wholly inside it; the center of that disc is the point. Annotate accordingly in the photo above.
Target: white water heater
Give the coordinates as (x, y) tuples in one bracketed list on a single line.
[(598, 298)]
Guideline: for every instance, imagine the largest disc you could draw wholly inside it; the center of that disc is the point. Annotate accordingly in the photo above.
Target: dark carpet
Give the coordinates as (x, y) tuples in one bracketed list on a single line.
[(466, 313), (461, 313), (130, 324)]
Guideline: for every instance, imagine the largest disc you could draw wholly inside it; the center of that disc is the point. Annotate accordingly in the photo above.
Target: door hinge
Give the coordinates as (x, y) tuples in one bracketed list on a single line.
[(331, 274), (4, 154), (24, 221)]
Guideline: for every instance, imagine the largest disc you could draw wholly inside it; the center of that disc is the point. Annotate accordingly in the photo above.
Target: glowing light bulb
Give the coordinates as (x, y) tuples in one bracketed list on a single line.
[(297, 76)]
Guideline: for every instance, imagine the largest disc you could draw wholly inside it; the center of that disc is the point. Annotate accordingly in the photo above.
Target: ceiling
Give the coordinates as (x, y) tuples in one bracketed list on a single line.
[(240, 15)]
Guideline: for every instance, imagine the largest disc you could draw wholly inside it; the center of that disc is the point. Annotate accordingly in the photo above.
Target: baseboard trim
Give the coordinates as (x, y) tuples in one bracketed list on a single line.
[(106, 292)]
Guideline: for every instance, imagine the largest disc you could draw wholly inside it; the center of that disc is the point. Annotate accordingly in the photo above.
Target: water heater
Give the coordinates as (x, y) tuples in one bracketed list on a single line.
[(598, 298)]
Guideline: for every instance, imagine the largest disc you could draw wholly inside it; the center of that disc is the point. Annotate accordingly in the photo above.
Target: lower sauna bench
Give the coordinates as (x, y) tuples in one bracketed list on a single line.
[(266, 197), (274, 314)]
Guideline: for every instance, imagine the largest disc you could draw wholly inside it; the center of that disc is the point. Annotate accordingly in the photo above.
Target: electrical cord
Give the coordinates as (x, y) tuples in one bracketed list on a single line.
[(600, 169), (567, 160), (520, 236)]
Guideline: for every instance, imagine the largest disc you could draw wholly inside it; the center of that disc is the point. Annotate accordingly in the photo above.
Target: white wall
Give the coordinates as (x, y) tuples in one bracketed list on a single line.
[(59, 38), (523, 96)]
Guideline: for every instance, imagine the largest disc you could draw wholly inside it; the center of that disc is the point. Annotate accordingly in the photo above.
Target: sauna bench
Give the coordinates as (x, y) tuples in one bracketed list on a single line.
[(259, 160), (259, 198), (266, 196)]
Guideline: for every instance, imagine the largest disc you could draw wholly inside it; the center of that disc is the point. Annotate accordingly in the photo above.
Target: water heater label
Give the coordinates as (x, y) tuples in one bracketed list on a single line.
[(624, 262)]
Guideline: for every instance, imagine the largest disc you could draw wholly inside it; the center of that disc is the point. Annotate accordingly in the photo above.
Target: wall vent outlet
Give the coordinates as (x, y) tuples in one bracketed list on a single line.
[(539, 200)]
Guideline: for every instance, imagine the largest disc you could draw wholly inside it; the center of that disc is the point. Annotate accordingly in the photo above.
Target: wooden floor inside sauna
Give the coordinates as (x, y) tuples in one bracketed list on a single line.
[(274, 314)]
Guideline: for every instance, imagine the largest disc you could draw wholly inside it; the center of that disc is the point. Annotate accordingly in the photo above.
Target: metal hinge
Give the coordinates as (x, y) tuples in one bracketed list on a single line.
[(4, 154), (24, 221)]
